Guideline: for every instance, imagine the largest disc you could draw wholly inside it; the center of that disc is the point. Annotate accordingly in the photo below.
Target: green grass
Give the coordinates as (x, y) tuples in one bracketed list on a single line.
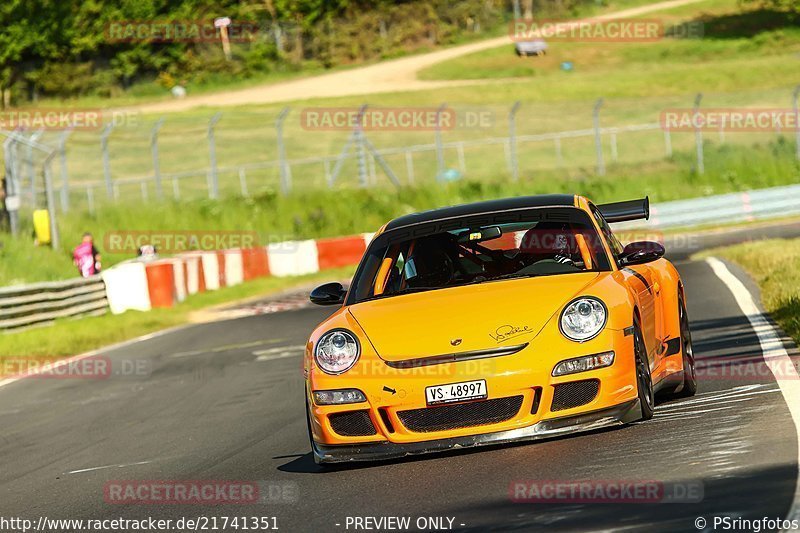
[(71, 337), (775, 267), (730, 36), (324, 213)]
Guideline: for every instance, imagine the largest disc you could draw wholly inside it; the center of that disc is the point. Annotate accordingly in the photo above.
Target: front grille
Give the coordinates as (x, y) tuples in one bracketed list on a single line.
[(575, 394), (352, 424), (460, 415)]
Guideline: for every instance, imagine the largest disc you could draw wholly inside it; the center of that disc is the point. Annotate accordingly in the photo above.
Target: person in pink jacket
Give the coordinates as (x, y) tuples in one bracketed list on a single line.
[(86, 257)]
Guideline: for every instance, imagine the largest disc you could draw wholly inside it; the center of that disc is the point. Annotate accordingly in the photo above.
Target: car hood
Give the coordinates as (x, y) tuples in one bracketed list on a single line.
[(463, 319)]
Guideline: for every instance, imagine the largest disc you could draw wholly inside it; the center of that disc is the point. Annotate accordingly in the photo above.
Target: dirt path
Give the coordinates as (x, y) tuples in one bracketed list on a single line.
[(388, 76)]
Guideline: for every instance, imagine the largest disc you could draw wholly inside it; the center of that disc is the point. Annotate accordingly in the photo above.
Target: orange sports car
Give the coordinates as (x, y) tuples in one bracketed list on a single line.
[(493, 322)]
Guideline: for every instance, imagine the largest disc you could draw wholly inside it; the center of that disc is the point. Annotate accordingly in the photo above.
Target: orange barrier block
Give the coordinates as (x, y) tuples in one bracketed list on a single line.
[(254, 262), (340, 251), (248, 264), (161, 283)]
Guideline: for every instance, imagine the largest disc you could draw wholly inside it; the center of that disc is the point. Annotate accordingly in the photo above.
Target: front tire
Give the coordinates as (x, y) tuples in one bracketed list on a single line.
[(644, 379)]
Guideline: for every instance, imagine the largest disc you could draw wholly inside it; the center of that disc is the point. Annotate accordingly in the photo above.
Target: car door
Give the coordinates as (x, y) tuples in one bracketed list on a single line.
[(641, 280)]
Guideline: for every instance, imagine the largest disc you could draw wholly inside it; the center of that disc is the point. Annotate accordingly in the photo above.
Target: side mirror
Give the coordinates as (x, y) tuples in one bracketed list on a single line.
[(328, 294), (640, 252)]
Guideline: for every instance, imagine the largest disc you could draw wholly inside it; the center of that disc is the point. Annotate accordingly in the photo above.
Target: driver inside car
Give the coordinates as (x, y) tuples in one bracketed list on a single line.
[(548, 242), (428, 264)]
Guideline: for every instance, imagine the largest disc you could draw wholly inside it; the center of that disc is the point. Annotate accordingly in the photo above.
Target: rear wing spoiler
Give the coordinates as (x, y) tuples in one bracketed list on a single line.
[(628, 210)]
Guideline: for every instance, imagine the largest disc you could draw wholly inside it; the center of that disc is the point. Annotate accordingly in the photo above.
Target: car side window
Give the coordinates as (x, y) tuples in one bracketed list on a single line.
[(613, 242)]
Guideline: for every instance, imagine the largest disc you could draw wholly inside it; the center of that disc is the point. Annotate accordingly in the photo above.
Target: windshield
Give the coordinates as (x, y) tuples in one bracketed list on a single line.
[(437, 255)]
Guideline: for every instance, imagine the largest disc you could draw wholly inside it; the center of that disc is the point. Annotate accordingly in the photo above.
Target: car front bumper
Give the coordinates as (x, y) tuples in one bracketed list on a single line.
[(621, 414)]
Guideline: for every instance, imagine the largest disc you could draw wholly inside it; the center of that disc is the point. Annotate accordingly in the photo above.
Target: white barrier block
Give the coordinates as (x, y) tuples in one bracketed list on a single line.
[(368, 238), (180, 279), (234, 269), (126, 287), (293, 258), (192, 263), (210, 270)]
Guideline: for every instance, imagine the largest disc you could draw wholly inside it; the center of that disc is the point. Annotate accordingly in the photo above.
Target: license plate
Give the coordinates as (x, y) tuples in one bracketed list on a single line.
[(456, 392)]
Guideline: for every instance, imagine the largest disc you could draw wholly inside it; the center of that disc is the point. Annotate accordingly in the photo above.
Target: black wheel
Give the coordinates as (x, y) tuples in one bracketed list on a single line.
[(644, 380), (689, 372)]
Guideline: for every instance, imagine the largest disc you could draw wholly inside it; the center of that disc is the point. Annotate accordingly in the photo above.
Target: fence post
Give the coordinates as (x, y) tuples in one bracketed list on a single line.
[(154, 152), (512, 140), (283, 165), (50, 198), (326, 165), (667, 142), (358, 132), (698, 134), (11, 186), (598, 145), (439, 147), (62, 151), (795, 97), (462, 161), (106, 162), (213, 183), (29, 159), (243, 182), (410, 167)]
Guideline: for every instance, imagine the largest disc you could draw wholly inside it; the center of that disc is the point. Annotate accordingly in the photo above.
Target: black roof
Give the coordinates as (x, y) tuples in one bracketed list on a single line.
[(487, 206)]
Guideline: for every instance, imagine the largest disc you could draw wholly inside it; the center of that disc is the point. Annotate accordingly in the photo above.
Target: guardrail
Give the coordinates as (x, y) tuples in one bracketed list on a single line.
[(759, 204), (41, 303)]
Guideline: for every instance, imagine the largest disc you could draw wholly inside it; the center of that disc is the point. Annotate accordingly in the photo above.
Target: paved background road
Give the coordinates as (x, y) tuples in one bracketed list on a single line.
[(224, 401)]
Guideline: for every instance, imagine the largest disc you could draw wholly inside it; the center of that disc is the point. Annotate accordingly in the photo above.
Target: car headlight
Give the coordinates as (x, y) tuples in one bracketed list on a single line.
[(583, 364), (337, 351), (583, 318)]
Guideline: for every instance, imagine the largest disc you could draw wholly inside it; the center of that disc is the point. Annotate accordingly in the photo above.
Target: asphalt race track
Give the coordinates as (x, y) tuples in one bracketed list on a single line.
[(223, 401)]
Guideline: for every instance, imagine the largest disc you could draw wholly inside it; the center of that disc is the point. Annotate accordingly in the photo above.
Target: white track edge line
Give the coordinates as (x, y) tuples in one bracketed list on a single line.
[(772, 351)]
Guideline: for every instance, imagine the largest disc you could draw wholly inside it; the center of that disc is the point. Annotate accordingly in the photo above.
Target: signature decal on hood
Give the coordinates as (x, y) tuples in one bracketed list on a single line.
[(507, 331)]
